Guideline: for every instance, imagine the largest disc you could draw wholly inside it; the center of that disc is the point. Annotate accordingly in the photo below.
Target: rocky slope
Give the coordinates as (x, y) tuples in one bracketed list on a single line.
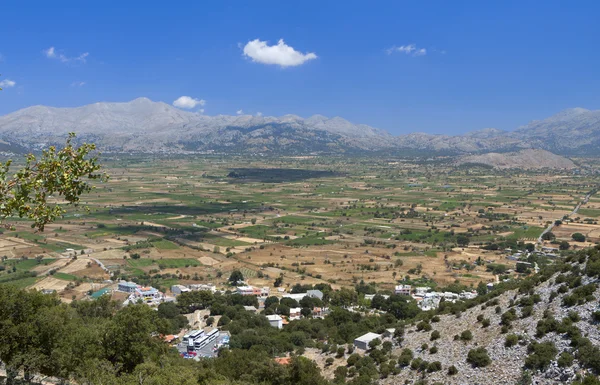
[(524, 159), (558, 312), (153, 127)]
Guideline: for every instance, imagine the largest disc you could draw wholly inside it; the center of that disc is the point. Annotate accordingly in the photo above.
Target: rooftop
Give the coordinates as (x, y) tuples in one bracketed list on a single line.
[(368, 337)]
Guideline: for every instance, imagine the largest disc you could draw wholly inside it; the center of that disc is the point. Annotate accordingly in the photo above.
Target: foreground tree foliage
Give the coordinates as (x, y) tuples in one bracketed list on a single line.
[(60, 173), (95, 343)]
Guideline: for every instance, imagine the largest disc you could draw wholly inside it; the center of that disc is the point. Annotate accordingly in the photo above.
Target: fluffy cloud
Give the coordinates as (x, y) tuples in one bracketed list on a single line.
[(410, 49), (77, 84), (7, 83), (259, 114), (239, 112), (52, 54), (281, 54), (188, 102)]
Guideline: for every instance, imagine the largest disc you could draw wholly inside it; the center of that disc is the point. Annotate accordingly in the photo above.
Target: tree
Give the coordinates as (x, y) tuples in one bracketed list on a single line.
[(578, 237), (236, 277), (374, 343), (462, 240), (479, 357), (564, 245), (60, 173), (548, 236)]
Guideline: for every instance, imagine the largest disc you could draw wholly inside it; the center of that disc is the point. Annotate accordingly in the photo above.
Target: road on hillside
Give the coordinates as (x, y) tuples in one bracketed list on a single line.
[(551, 225)]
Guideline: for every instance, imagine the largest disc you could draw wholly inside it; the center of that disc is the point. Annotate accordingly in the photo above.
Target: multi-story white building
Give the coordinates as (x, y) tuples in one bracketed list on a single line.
[(403, 289)]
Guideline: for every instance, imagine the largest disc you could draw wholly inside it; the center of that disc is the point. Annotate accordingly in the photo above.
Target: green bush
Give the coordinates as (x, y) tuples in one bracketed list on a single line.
[(565, 359), (479, 358), (511, 340), (540, 355), (466, 335), (435, 335)]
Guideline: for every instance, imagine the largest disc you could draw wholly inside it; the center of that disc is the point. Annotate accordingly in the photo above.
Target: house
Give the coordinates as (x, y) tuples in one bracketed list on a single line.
[(310, 293), (403, 289), (250, 290), (250, 309), (320, 312), (421, 291), (147, 294), (362, 342), (179, 289), (283, 360), (276, 321), (296, 296), (315, 294), (389, 333), (127, 287), (200, 287), (295, 313)]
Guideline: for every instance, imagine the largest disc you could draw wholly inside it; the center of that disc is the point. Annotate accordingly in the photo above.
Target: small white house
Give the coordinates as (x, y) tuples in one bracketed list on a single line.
[(276, 321), (179, 289), (362, 342), (295, 313)]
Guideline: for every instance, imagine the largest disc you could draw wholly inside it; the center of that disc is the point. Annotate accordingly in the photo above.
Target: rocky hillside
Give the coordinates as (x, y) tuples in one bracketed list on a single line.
[(542, 330), (524, 159), (145, 126)]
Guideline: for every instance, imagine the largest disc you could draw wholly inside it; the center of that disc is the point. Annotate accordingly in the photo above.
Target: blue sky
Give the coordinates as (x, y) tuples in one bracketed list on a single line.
[(455, 66)]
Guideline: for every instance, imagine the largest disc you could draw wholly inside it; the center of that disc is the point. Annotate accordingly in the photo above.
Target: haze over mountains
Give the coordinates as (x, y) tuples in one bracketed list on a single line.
[(145, 126)]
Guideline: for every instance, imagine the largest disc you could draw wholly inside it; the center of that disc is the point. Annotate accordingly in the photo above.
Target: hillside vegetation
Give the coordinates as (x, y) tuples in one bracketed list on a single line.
[(543, 329)]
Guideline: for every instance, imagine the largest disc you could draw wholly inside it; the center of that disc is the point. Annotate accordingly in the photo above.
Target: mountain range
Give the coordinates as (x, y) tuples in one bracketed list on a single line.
[(144, 126)]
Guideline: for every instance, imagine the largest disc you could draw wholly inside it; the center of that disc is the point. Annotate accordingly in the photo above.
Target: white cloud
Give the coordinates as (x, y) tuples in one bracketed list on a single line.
[(52, 54), (239, 112), (188, 102), (281, 54), (77, 84), (410, 49), (7, 83), (259, 114)]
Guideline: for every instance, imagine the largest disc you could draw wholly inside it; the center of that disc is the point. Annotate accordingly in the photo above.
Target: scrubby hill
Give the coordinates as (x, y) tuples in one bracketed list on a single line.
[(524, 159), (542, 330)]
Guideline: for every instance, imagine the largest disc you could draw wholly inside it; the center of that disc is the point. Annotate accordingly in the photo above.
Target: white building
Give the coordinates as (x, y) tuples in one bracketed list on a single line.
[(127, 287), (421, 291), (276, 321), (148, 294), (179, 289), (362, 342), (295, 313), (200, 287), (403, 289), (310, 293)]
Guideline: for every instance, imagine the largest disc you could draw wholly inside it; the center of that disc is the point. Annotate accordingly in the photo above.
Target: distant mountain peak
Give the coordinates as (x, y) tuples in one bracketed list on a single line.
[(142, 125)]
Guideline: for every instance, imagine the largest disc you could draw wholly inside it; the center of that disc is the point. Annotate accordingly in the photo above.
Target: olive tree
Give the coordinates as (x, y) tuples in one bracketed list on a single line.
[(63, 174)]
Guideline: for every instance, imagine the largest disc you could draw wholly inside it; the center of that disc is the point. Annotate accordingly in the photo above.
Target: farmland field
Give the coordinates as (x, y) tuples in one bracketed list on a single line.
[(162, 221)]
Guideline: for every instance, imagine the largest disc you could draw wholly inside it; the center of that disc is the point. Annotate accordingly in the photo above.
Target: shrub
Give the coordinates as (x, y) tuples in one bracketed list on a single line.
[(466, 335), (485, 323), (540, 355), (511, 340), (565, 359), (452, 370), (435, 366), (433, 350), (405, 357), (353, 359), (424, 326), (435, 335), (479, 358)]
